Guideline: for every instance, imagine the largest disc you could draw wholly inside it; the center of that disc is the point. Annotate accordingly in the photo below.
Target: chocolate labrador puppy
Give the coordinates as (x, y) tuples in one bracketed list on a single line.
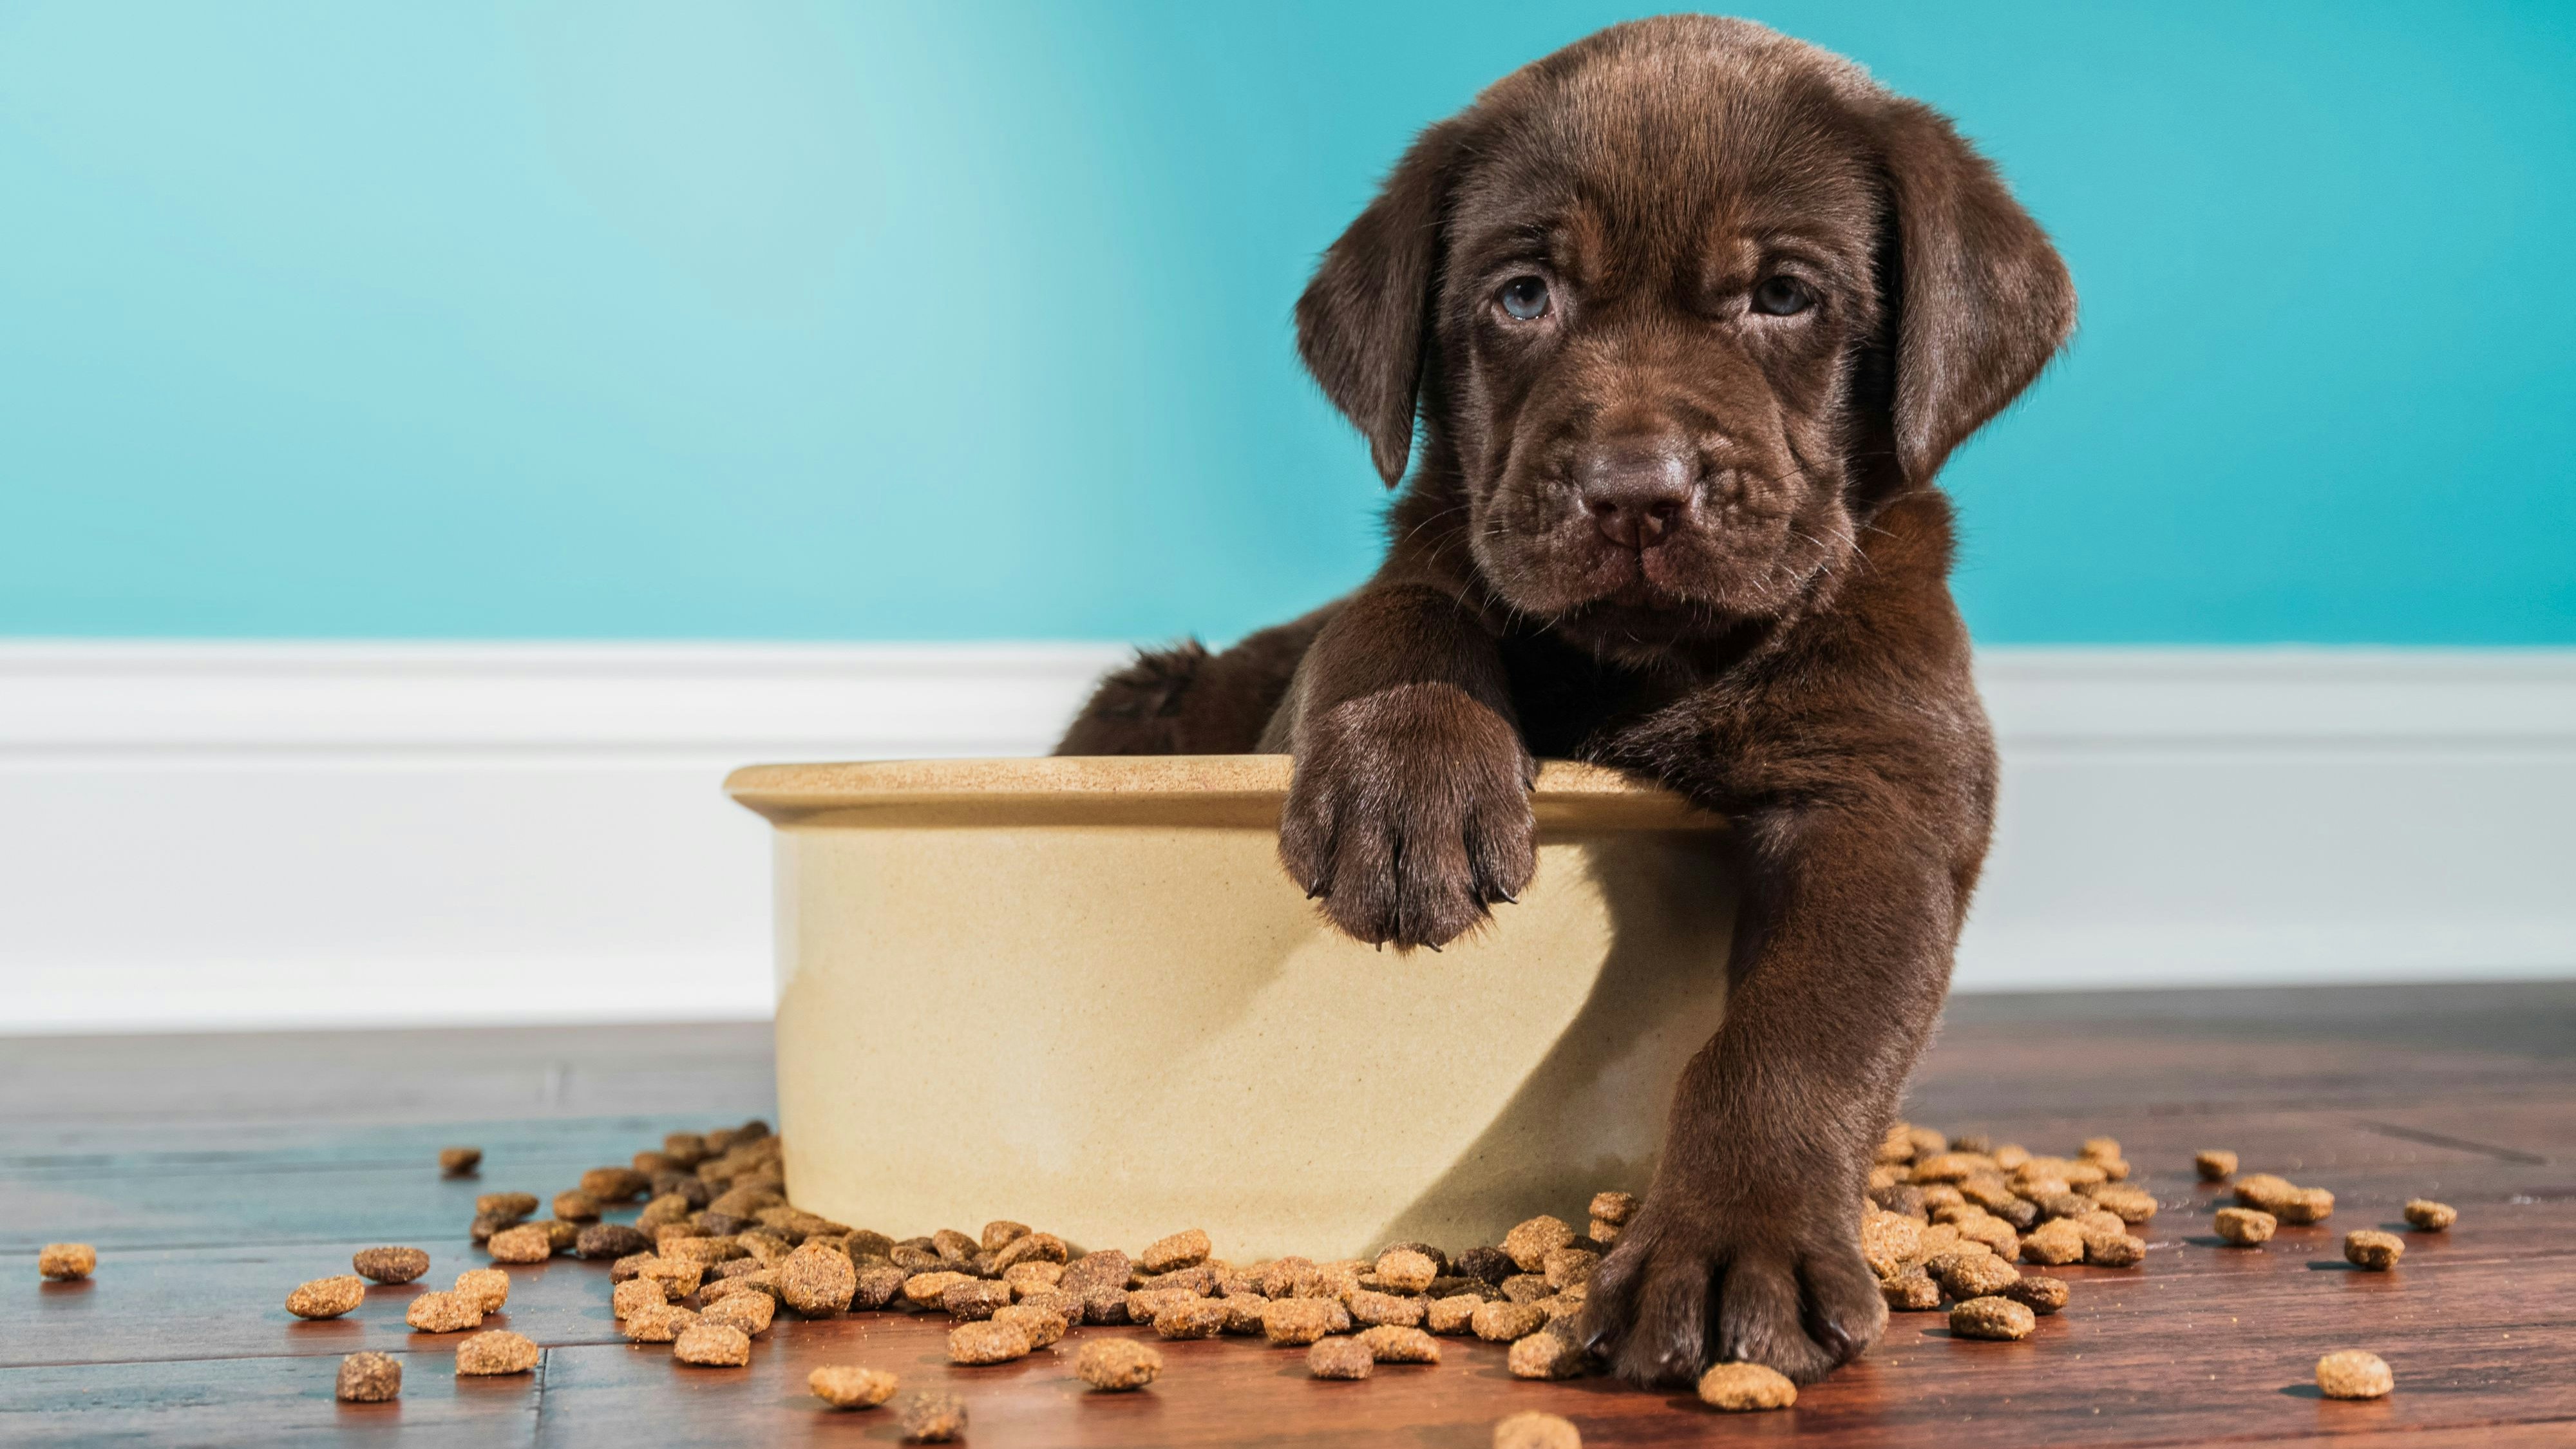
[(1690, 315)]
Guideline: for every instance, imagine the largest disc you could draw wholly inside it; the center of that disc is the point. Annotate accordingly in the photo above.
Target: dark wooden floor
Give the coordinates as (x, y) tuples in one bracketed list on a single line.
[(215, 1173)]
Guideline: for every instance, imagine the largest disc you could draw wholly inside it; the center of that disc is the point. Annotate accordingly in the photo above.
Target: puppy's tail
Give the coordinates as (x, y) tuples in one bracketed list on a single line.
[(1138, 710)]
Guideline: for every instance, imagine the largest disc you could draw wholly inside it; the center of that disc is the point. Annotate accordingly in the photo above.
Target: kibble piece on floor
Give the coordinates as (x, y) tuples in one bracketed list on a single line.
[(1506, 1322), (1406, 1271), (2245, 1226), (1117, 1364), (1488, 1263), (1243, 1312), (634, 1296), (985, 1341), (1376, 1308), (1043, 1325), (679, 1278), (511, 1205), (529, 1244), (1546, 1354), (369, 1378), (1529, 1244), (927, 1416), (389, 1265), (817, 1281), (1614, 1207), (2354, 1374), (496, 1351), (443, 1313), (1026, 1278), (1992, 1318), (66, 1262), (2215, 1165), (1888, 1239), (1107, 1268), (927, 1290), (975, 1298), (1568, 1267), (2427, 1216), (2374, 1250), (1975, 1275), (2114, 1250), (846, 1386), (1389, 1343), (748, 1311), (611, 1241), (2263, 1189), (657, 1325), (488, 1287), (2054, 1242), (327, 1297), (2310, 1205), (1032, 1248), (1913, 1292), (1533, 1430), (1104, 1305), (712, 1345), (1453, 1314), (1180, 1250), (1526, 1287), (1183, 1316), (1339, 1358), (458, 1161), (877, 1287), (2037, 1292), (574, 1205), (1740, 1387), (2134, 1205), (1292, 1321), (613, 1184)]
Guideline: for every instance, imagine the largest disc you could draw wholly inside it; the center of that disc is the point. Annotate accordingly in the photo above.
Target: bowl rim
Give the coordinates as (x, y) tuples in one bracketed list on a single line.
[(1157, 789)]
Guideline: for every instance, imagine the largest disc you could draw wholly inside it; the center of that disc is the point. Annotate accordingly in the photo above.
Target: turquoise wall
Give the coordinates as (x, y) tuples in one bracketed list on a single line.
[(964, 318)]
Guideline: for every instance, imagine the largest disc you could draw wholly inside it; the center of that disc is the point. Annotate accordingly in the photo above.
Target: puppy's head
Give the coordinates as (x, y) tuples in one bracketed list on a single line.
[(1683, 302)]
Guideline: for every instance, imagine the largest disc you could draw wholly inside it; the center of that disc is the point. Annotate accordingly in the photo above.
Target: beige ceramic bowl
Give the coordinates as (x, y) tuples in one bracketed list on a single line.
[(1082, 993)]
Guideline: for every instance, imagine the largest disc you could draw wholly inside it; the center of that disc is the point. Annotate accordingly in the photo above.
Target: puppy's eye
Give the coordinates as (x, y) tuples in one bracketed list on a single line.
[(1525, 298), (1782, 297)]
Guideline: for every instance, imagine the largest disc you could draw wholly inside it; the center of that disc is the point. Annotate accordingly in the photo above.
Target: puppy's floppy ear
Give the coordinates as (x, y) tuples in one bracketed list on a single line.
[(1365, 319), (1981, 299)]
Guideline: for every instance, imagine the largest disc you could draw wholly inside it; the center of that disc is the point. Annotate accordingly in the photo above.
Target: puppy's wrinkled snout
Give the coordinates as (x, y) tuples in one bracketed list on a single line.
[(1636, 492)]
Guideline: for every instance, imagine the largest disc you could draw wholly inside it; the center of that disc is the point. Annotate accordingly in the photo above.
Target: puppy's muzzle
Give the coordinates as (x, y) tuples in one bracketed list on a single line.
[(1637, 491)]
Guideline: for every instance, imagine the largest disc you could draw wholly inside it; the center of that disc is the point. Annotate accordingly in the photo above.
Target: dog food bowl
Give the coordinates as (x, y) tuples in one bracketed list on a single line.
[(1083, 994)]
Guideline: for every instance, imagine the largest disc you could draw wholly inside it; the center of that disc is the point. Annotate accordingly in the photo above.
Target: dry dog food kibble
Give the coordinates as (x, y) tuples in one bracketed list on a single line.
[(1388, 1343), (1992, 1318), (1529, 1244), (389, 1265), (2376, 1251), (66, 1262), (985, 1341), (1183, 1316), (1117, 1364), (1293, 1321), (1532, 1430), (1406, 1271), (443, 1313), (1339, 1358), (1376, 1308), (370, 1378), (2354, 1374), (816, 1281), (2428, 1216), (930, 1290), (657, 1325), (458, 1161), (1043, 1325), (612, 1184), (498, 1351), (2054, 1242), (635, 1295), (712, 1345), (1974, 1275), (2215, 1165), (974, 1298), (1452, 1314), (488, 1287), (1739, 1387), (845, 1386), (1912, 1292), (927, 1416), (529, 1244), (611, 1241), (1546, 1354), (574, 1205), (505, 1207), (2037, 1292), (327, 1297), (2246, 1226), (1180, 1250), (746, 1311), (1506, 1322)]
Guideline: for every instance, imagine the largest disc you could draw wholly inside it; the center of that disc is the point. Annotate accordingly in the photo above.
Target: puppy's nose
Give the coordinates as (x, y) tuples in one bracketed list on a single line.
[(1635, 492)]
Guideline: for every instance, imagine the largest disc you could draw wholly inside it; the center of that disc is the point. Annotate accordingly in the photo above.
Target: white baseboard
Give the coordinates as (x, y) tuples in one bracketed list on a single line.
[(260, 835)]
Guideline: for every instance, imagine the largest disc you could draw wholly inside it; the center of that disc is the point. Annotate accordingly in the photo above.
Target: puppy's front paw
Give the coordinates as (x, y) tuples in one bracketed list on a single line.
[(1697, 1280), (1410, 815)]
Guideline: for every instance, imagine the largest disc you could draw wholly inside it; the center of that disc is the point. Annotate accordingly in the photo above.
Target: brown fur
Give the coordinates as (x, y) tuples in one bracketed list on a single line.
[(1661, 527)]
